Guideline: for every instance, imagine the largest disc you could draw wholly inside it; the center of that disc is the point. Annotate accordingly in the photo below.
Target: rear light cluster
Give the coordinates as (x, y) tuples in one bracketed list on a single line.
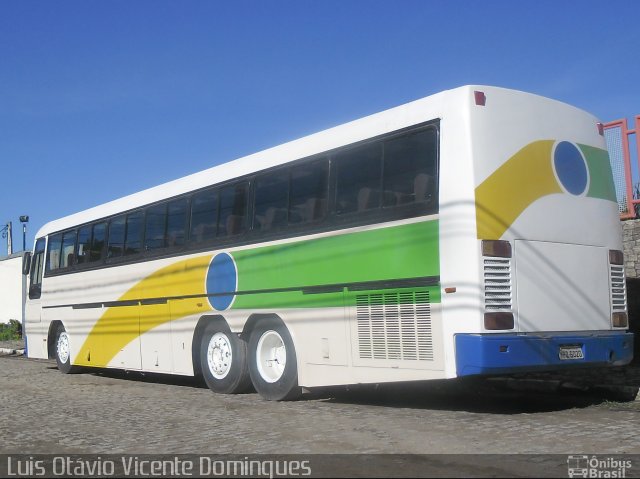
[(620, 320), (497, 285), (497, 321), (496, 249), (619, 316)]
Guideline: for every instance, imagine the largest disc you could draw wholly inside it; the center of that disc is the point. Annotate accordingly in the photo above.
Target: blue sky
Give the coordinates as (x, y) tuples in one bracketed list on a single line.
[(101, 99)]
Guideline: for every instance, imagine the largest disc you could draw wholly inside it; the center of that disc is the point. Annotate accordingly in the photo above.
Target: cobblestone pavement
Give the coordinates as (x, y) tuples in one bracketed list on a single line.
[(45, 411)]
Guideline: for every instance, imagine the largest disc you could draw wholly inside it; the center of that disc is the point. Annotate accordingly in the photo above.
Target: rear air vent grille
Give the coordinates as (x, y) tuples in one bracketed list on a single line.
[(618, 289), (497, 284), (395, 326)]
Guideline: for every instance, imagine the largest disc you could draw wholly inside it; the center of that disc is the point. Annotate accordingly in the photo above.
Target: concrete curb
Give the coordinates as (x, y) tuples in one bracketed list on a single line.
[(11, 352)]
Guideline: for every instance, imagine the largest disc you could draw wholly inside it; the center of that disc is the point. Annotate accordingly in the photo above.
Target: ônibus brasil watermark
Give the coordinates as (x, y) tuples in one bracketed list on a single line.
[(594, 466)]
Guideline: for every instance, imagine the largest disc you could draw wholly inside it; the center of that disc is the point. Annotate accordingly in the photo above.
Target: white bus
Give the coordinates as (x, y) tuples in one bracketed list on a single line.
[(472, 232)]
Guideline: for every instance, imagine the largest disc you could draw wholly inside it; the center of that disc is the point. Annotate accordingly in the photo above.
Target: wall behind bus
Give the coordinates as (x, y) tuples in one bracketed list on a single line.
[(12, 288), (631, 248), (631, 242)]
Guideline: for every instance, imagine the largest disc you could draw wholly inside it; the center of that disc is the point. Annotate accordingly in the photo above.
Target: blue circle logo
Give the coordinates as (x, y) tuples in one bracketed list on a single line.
[(222, 281), (570, 167)]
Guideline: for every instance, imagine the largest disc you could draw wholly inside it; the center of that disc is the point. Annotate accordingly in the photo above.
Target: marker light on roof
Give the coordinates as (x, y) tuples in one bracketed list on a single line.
[(480, 97)]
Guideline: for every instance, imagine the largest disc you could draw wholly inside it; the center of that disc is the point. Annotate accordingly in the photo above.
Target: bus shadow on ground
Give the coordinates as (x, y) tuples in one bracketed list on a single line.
[(478, 395), (137, 376)]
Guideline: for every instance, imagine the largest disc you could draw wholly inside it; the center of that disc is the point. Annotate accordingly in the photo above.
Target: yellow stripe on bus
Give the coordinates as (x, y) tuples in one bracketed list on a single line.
[(120, 325), (502, 197)]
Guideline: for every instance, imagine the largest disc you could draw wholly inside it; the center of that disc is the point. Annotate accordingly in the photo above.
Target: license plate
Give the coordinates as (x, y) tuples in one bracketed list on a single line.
[(570, 352)]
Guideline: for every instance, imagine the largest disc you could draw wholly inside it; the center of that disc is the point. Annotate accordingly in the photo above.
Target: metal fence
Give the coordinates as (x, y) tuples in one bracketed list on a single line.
[(620, 140)]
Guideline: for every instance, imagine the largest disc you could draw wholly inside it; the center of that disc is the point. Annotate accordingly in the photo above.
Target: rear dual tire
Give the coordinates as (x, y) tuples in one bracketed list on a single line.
[(230, 366), (273, 362)]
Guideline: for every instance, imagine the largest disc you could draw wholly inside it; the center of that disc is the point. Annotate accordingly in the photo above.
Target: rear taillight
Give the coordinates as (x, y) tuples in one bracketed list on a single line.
[(616, 257), (620, 320), (496, 248), (498, 320)]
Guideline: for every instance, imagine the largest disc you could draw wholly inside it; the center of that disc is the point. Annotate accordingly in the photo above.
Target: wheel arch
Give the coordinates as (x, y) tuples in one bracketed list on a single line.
[(254, 319)]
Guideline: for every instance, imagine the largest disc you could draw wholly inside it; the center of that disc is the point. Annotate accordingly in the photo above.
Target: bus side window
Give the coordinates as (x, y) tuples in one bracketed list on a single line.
[(133, 235), (271, 200), (53, 253), (84, 244), (204, 216), (37, 268), (233, 209), (309, 192), (410, 169), (97, 242), (177, 222), (155, 227), (359, 179), (115, 247), (67, 256)]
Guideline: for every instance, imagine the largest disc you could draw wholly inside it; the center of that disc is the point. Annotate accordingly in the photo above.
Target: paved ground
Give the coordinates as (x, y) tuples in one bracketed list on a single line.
[(463, 422), (45, 411)]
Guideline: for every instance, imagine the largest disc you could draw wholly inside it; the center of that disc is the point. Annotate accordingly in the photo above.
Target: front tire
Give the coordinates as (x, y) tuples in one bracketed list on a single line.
[(272, 362), (223, 360), (63, 351)]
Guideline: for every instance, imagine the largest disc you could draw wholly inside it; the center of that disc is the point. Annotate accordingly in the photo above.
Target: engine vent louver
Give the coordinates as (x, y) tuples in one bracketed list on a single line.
[(618, 289), (497, 284), (395, 326)]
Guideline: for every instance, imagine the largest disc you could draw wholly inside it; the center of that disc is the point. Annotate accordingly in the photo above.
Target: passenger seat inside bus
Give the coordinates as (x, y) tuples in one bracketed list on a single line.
[(423, 187)]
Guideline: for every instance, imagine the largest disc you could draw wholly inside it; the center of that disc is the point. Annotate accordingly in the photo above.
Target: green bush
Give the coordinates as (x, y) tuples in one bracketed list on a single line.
[(10, 331)]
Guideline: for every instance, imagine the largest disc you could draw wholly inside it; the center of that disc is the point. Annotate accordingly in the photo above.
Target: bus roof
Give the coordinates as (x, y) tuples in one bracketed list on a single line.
[(406, 115)]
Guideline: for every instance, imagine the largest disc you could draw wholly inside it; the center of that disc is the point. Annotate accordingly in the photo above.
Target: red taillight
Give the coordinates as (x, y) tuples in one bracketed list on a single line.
[(620, 320), (496, 248), (480, 97), (616, 257), (496, 321)]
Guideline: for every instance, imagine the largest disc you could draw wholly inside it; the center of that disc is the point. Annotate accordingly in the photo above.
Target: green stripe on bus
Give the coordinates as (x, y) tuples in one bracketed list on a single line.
[(600, 176), (398, 252)]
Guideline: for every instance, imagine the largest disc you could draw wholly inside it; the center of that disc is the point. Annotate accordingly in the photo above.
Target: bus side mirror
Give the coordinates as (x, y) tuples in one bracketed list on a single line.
[(26, 263)]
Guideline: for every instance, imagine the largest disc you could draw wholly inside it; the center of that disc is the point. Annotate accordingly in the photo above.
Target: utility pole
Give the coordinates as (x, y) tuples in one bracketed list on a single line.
[(9, 239)]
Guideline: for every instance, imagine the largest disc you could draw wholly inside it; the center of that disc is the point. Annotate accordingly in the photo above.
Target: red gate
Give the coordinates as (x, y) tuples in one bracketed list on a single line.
[(626, 176)]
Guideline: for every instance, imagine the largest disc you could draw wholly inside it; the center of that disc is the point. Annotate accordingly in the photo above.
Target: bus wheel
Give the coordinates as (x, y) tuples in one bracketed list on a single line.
[(272, 362), (63, 351), (223, 360)]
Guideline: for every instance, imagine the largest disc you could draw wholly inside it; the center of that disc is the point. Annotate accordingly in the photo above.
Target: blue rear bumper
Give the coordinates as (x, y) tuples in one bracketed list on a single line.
[(511, 353)]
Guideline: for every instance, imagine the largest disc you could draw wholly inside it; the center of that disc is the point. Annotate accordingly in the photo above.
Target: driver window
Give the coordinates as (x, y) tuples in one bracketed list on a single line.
[(37, 267)]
